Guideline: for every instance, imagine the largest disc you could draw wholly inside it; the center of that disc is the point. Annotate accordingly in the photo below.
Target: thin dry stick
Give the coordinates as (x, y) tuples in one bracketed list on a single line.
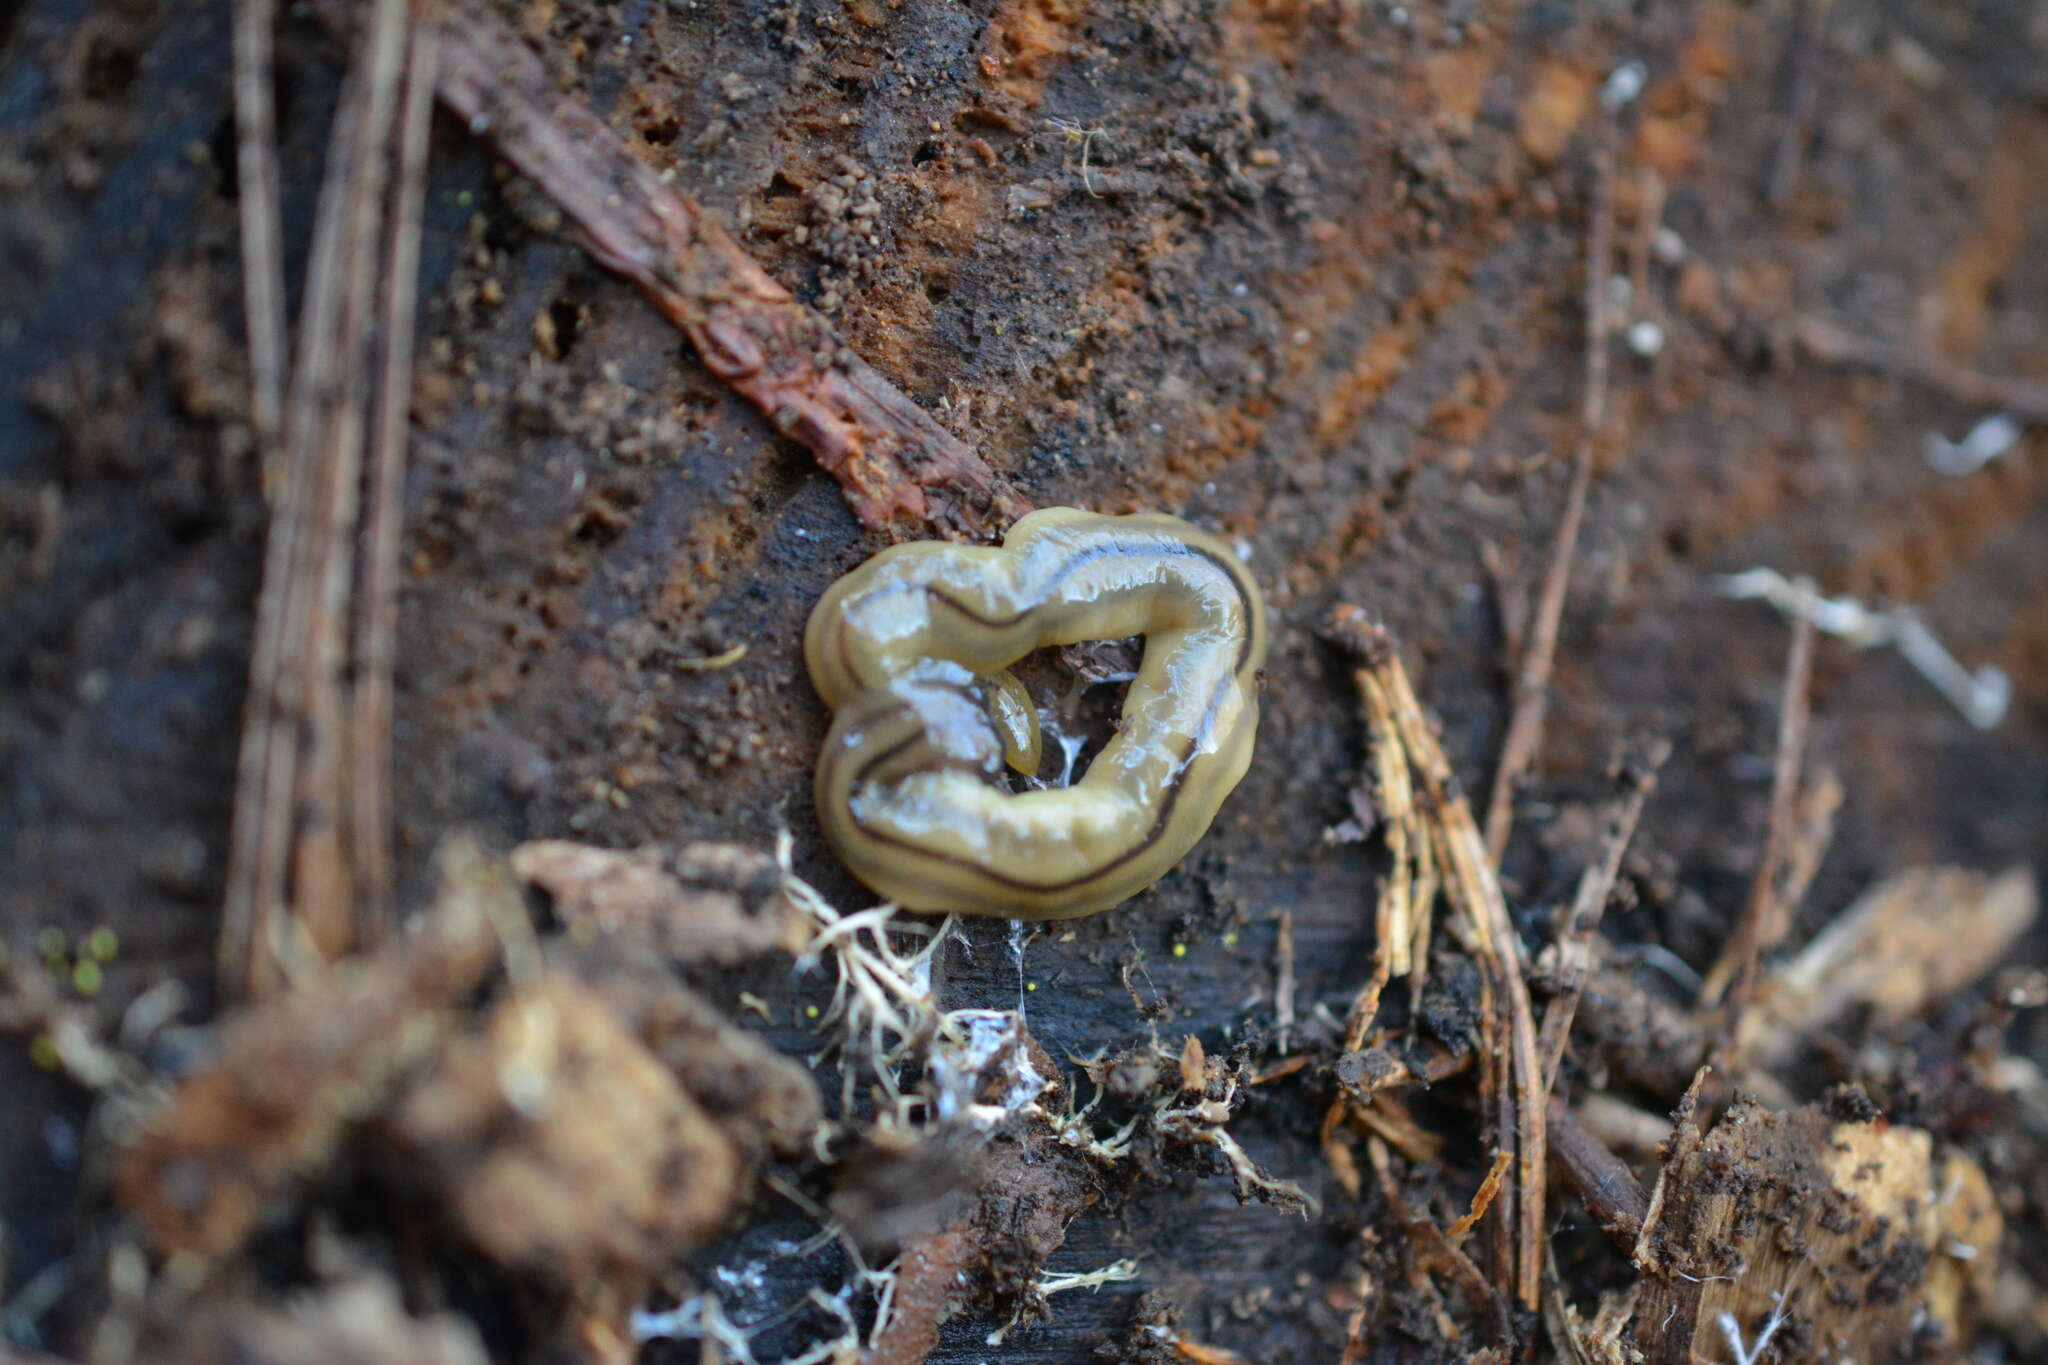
[(1397, 812), (1437, 1249), (1355, 1342), (1575, 944), (262, 253), (1473, 883), (1832, 345), (289, 901), (1604, 1183), (1762, 925), (383, 498), (1389, 1119), (1532, 687), (1397, 906), (892, 459), (1496, 1069), (1475, 892), (337, 402), (1283, 986), (1403, 909)]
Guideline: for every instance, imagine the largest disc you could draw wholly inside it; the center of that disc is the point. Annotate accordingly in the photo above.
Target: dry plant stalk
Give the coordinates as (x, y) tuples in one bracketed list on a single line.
[(299, 864), (1575, 942), (1201, 1353), (262, 251), (376, 603), (1532, 686), (1389, 1120), (1732, 980), (1482, 1200), (1402, 915), (1512, 1088)]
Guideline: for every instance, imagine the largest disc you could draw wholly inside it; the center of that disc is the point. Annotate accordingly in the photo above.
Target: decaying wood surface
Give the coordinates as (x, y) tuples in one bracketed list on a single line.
[(1371, 295)]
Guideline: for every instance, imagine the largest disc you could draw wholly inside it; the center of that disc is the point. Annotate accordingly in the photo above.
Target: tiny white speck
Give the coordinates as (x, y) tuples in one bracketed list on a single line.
[(1240, 289), (1668, 246), (1158, 429), (1645, 338), (1624, 85), (1244, 550)]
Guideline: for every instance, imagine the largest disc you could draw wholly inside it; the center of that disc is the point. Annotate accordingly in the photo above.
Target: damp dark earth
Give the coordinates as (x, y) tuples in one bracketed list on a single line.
[(426, 427)]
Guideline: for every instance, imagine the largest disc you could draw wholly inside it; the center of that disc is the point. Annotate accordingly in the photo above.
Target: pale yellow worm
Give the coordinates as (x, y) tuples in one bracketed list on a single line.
[(912, 650)]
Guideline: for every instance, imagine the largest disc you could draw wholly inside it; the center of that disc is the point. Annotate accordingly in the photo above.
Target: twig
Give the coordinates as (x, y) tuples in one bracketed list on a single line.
[(383, 498), (1762, 924), (2023, 399), (1402, 912), (290, 901), (262, 253), (1474, 891), (1575, 942), (1389, 1119), (1603, 1181), (1813, 830), (1532, 688), (891, 458), (1438, 1249)]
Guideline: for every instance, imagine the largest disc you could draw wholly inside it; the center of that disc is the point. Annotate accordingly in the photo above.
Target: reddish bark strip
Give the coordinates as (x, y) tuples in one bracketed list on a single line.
[(893, 461)]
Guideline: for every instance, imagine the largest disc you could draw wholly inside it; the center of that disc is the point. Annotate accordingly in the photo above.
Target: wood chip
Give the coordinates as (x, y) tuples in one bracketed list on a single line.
[(1837, 1239), (718, 903), (561, 1147)]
